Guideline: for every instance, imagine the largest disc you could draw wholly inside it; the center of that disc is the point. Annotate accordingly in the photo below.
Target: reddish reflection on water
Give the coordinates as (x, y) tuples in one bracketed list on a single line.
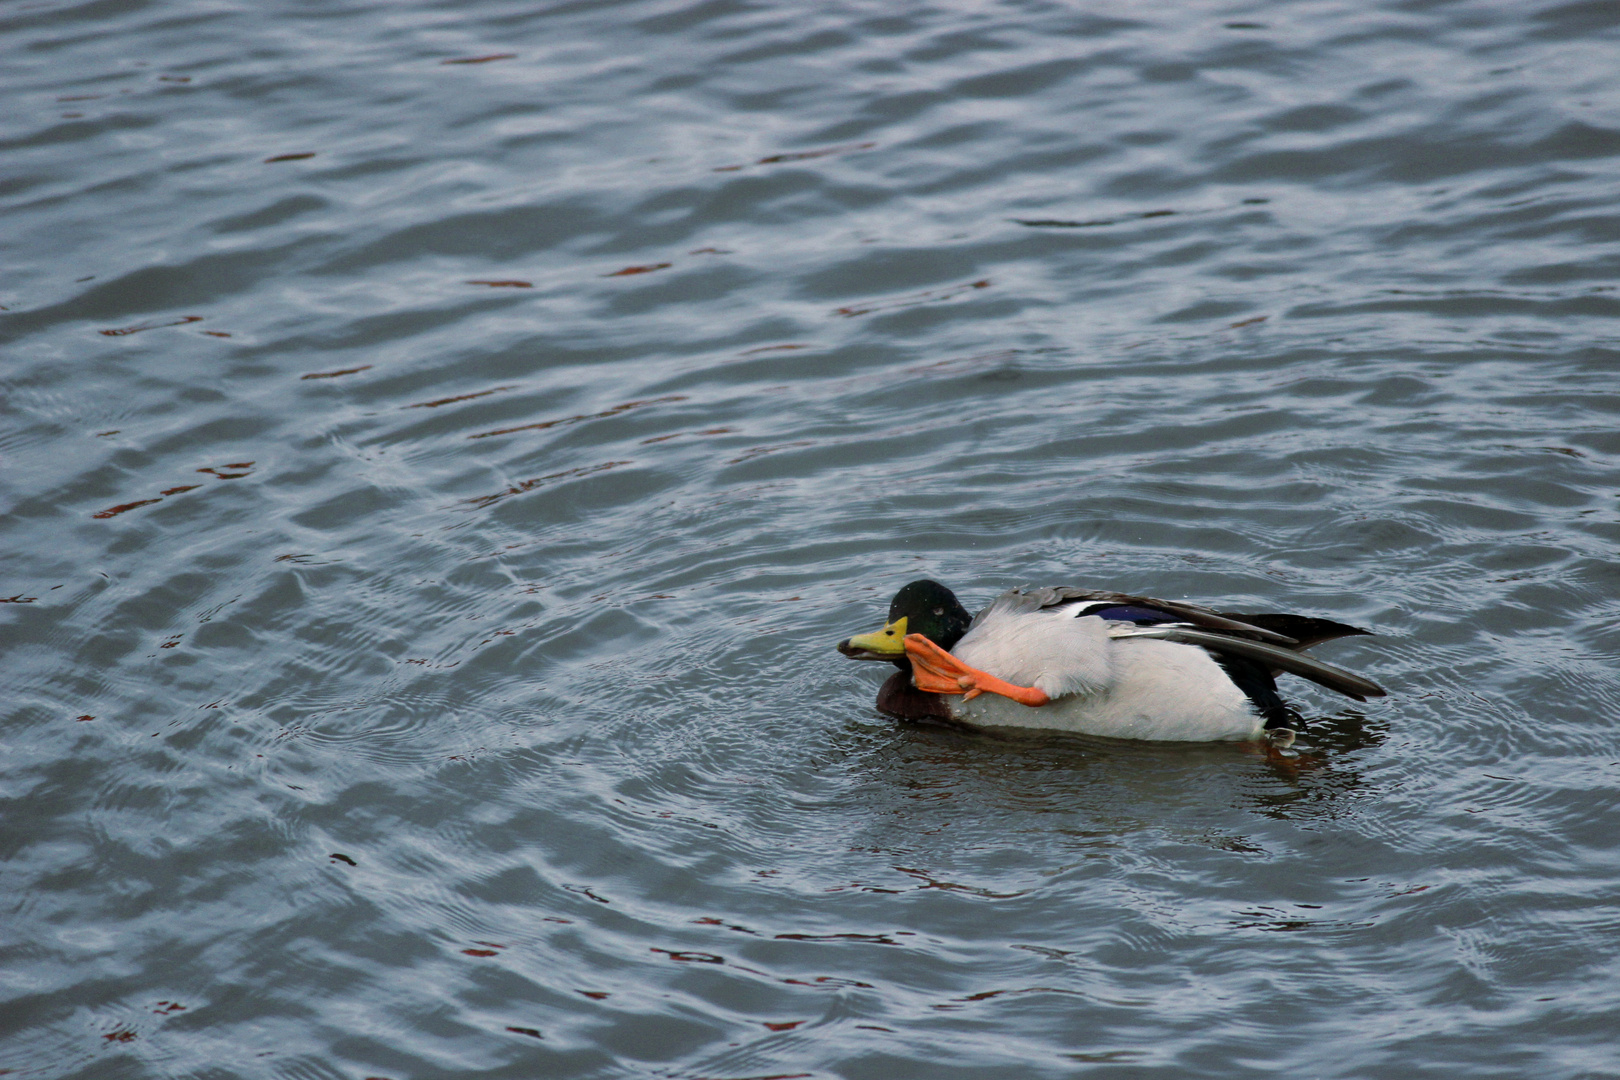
[(335, 374), (240, 470), (434, 404), (928, 296), (123, 508), (647, 269), (122, 330), (801, 155), (529, 485), (563, 421)]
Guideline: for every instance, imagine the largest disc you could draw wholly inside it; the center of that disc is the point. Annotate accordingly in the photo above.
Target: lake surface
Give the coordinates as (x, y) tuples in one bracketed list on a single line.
[(442, 443)]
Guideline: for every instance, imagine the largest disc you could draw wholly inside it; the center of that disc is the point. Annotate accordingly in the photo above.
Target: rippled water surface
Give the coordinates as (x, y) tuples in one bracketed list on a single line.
[(442, 442)]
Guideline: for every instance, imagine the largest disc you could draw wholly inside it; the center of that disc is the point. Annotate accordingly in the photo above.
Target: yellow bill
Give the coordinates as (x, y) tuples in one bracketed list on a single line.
[(888, 643)]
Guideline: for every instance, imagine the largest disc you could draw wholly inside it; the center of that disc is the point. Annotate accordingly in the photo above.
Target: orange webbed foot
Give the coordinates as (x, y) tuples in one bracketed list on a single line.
[(937, 671)]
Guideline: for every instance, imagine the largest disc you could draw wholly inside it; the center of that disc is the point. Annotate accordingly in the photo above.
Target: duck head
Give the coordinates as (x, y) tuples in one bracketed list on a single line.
[(923, 607)]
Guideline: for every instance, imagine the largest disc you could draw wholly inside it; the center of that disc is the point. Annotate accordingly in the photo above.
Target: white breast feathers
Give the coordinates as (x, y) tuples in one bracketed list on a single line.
[(1048, 649)]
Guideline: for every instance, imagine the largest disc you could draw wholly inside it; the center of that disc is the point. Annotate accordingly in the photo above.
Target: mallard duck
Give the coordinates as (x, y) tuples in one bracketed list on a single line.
[(1100, 663)]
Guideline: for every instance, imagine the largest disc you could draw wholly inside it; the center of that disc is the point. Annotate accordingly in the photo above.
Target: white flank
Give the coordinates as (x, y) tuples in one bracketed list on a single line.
[(1127, 688)]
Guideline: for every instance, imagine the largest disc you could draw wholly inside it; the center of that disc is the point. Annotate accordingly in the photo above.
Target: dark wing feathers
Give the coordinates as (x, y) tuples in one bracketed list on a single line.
[(1306, 630), (1297, 663), (1131, 613)]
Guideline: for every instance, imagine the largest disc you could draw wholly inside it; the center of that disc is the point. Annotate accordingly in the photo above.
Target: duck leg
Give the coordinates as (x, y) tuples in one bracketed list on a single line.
[(937, 671)]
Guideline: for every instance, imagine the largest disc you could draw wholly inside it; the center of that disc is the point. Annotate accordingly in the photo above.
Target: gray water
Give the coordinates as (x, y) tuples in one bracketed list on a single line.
[(443, 441)]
